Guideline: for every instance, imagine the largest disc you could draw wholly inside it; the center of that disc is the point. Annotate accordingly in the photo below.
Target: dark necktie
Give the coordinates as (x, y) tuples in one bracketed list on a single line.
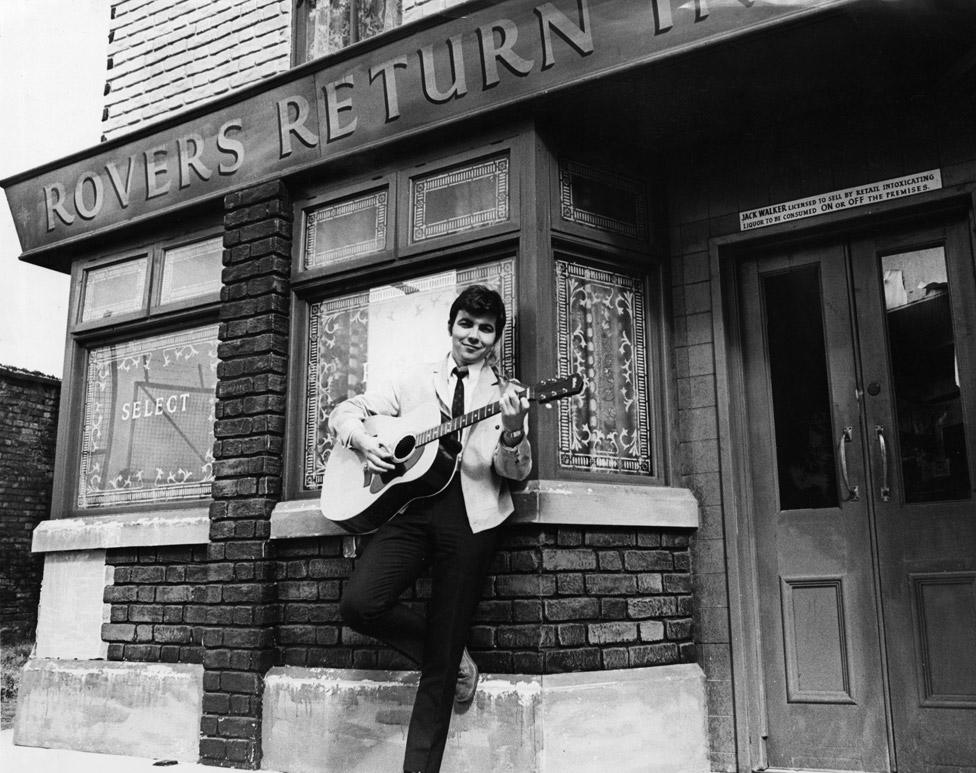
[(457, 404)]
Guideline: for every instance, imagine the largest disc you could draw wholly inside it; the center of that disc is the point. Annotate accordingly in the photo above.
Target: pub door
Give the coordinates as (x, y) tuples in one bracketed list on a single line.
[(860, 391)]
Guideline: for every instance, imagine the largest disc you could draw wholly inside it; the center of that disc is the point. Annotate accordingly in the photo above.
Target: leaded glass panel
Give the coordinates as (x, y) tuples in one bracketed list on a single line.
[(344, 230), (601, 335), (463, 198), (192, 270), (114, 289), (601, 200), (368, 337), (148, 428)]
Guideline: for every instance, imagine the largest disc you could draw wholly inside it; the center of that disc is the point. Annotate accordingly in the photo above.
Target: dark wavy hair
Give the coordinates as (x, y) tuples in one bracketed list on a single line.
[(480, 301)]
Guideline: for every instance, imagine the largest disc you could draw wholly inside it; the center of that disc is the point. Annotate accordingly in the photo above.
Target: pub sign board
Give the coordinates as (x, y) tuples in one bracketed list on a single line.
[(490, 56)]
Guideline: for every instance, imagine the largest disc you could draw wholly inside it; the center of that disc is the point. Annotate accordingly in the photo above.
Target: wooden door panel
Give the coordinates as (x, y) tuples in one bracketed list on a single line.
[(944, 615), (816, 641), (916, 319), (818, 620)]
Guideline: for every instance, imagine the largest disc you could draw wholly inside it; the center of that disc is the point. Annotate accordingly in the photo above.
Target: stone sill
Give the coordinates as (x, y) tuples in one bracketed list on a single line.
[(162, 527), (543, 502)]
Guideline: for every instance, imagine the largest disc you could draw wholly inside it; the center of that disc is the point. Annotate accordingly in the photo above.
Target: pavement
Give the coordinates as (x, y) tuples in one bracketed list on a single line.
[(28, 759)]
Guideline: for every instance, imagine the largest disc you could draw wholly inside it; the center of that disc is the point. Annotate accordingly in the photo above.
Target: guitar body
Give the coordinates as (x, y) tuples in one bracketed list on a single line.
[(360, 501)]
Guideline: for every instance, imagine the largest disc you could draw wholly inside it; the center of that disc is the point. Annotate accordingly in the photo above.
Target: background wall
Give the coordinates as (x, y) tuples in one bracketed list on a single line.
[(29, 406)]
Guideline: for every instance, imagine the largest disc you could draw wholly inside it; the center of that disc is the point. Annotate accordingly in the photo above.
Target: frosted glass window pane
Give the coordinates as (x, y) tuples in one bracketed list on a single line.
[(367, 337), (115, 289), (192, 270), (149, 419), (460, 199), (344, 230), (601, 200)]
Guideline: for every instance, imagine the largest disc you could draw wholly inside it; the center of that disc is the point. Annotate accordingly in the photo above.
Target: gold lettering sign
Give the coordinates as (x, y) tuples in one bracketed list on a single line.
[(493, 57)]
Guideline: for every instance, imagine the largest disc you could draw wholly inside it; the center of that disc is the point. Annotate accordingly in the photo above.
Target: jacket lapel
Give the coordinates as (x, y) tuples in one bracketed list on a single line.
[(440, 386), (486, 389)]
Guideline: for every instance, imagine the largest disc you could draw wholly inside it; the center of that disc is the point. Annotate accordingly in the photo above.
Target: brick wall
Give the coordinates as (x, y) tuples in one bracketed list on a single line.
[(166, 55), (29, 406), (158, 611), (557, 599), (249, 431)]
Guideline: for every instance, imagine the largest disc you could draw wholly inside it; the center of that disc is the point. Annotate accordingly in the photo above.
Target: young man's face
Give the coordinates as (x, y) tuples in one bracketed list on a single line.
[(472, 337)]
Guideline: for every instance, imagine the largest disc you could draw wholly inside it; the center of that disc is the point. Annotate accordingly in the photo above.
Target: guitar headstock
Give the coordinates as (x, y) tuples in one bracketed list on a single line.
[(557, 388)]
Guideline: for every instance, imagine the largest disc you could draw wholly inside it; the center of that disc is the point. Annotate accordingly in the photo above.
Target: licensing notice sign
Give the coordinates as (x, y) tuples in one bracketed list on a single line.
[(845, 198)]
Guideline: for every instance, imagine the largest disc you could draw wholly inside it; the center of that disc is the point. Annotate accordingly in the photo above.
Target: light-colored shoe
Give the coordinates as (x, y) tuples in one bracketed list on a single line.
[(467, 681)]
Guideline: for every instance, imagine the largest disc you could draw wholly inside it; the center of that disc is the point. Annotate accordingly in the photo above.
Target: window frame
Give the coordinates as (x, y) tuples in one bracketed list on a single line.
[(293, 478), (81, 337), (299, 33), (400, 261), (317, 198), (612, 239)]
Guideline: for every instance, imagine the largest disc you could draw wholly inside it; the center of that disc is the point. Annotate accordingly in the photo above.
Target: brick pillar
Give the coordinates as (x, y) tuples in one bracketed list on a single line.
[(238, 636)]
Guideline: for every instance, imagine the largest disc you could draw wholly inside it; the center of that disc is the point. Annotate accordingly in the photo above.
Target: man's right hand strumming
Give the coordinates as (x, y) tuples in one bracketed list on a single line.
[(376, 456)]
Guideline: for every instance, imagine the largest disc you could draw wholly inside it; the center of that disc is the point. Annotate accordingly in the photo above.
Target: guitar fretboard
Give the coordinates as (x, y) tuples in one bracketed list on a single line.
[(465, 420)]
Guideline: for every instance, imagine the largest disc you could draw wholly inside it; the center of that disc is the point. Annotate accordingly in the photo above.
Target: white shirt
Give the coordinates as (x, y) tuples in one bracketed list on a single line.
[(470, 381)]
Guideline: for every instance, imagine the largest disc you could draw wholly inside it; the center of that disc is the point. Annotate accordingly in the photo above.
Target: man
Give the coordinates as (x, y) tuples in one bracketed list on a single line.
[(454, 532)]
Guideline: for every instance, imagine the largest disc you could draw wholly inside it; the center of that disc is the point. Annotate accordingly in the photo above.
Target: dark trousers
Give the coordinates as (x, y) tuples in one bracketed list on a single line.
[(433, 532)]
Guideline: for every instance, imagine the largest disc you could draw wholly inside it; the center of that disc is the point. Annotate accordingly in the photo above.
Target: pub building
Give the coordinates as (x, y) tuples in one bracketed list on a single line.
[(748, 544)]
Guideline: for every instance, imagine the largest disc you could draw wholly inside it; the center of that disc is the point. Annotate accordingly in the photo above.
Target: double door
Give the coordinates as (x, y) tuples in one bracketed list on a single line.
[(860, 390)]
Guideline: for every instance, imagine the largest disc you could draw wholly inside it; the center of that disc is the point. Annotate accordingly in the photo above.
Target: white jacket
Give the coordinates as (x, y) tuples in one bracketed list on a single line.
[(485, 460)]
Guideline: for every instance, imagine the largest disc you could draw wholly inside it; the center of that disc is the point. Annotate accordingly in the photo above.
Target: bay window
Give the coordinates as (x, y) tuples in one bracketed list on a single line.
[(380, 260)]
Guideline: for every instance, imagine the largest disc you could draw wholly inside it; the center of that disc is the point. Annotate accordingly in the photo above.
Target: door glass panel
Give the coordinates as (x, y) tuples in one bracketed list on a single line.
[(925, 375), (800, 390)]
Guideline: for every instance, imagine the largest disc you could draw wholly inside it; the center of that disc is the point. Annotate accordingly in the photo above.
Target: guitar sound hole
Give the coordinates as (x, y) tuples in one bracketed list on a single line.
[(405, 447)]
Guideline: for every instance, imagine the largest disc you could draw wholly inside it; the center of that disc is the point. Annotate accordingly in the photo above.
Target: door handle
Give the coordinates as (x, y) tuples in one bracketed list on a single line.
[(883, 445), (845, 437)]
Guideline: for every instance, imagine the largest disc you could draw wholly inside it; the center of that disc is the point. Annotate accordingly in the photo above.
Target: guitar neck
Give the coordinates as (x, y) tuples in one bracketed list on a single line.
[(465, 420)]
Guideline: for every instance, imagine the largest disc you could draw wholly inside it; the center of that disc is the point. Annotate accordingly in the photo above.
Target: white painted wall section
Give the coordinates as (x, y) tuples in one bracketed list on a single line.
[(137, 709), (71, 611)]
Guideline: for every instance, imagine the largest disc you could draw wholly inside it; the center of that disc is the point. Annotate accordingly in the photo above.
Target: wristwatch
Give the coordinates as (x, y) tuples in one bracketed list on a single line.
[(512, 439)]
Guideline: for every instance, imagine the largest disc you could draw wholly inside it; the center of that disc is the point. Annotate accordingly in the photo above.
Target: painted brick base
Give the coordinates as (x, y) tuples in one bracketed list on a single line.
[(644, 720)]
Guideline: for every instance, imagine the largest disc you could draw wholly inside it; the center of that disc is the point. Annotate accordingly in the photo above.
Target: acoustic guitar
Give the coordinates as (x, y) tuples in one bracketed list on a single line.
[(425, 453)]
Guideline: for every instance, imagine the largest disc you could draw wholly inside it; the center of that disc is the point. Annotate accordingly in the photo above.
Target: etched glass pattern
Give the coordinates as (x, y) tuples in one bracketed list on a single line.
[(344, 230), (604, 201), (601, 335), (114, 289), (149, 420), (460, 199), (368, 337), (192, 270)]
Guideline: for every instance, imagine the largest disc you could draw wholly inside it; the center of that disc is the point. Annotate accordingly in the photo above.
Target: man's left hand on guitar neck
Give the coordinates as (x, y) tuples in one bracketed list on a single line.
[(514, 407)]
